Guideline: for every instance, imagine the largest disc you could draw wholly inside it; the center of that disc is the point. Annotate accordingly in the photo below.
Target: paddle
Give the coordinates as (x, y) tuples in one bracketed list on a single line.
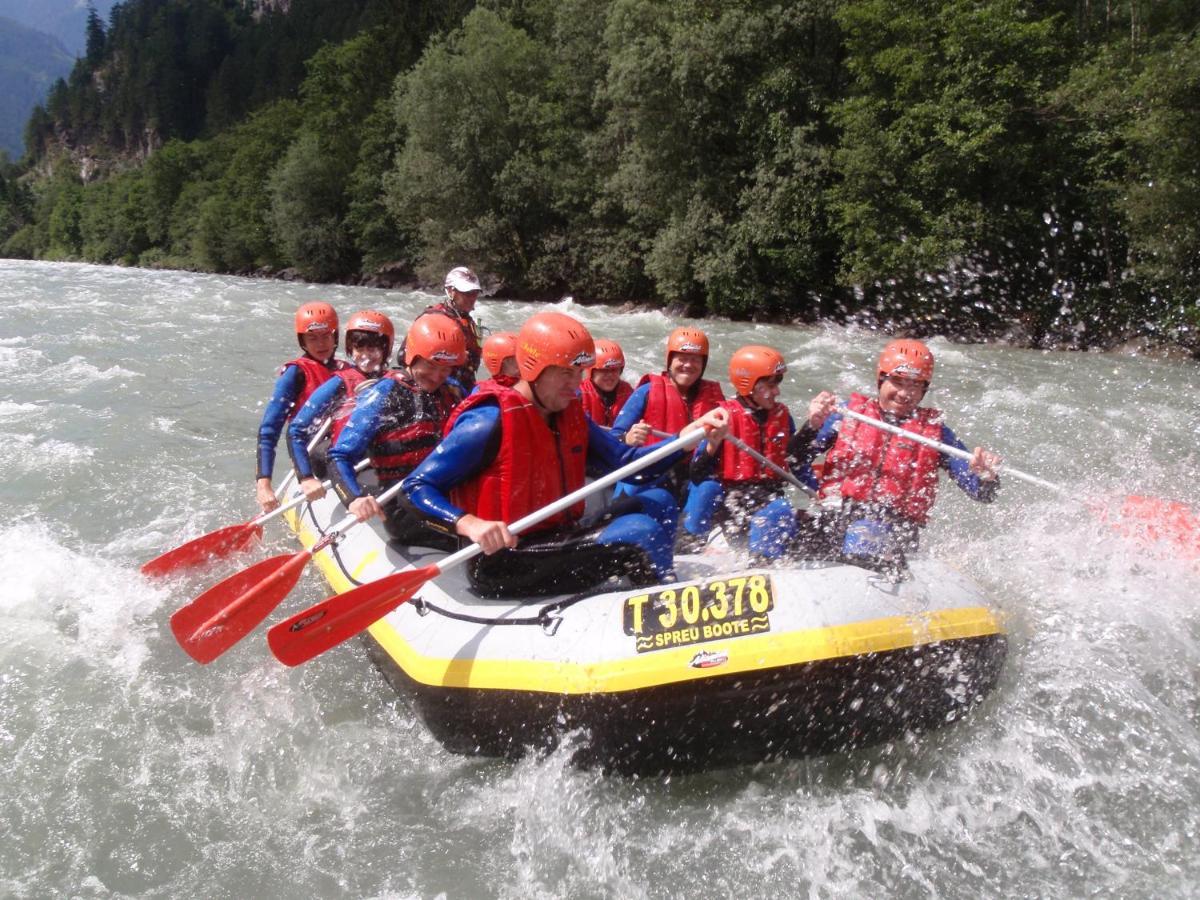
[(340, 617), (746, 448), (1161, 519), (228, 611), (222, 542)]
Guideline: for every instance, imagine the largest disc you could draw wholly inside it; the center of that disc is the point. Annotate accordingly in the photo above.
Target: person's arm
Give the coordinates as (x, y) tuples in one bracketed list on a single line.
[(470, 446), (303, 425), (354, 442), (287, 388), (631, 413), (973, 485), (607, 453)]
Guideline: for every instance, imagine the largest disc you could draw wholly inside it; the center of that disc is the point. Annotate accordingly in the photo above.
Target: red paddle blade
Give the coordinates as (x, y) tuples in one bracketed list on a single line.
[(332, 621), (214, 545), (228, 611), (1157, 520)]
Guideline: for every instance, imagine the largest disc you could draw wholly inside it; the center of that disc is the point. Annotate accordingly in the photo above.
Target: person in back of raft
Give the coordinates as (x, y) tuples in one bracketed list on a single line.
[(397, 422), (667, 402), (462, 293), (511, 451), (500, 358), (729, 486), (369, 339), (603, 391), (876, 489), (317, 334)]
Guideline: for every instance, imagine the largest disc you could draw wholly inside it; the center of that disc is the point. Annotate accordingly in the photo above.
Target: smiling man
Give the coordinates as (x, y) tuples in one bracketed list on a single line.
[(876, 488)]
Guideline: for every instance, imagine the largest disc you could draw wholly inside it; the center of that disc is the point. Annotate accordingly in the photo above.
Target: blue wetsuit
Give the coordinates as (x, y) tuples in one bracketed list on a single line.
[(472, 445), (288, 387), (631, 413), (324, 401), (757, 509)]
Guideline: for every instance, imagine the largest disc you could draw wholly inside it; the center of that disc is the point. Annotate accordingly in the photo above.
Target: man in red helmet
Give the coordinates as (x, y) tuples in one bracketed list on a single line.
[(369, 339), (876, 489), (511, 451), (317, 334), (397, 422)]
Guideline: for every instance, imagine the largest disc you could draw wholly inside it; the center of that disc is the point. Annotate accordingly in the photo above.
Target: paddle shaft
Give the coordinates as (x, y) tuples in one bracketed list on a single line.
[(658, 453), (746, 448), (952, 451)]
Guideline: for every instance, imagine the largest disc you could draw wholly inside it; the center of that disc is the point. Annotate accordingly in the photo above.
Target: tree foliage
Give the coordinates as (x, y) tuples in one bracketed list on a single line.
[(967, 166)]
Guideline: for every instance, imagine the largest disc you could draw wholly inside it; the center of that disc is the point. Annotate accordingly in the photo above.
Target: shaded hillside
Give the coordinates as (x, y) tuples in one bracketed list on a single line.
[(30, 62), (64, 19)]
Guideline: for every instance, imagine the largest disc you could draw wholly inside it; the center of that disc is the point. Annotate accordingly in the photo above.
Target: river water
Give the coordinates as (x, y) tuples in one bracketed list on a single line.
[(128, 411)]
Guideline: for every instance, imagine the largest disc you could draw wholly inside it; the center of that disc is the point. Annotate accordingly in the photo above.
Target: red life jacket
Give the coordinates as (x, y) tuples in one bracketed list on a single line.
[(593, 401), (353, 379), (502, 380), (315, 374), (411, 426), (770, 439), (665, 406), (534, 466), (874, 466)]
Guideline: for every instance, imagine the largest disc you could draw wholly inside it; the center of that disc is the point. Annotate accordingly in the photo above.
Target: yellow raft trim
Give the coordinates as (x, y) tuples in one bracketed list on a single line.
[(753, 653), (746, 654)]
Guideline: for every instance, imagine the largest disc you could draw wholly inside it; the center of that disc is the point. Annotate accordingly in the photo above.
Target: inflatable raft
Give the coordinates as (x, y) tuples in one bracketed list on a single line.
[(729, 665)]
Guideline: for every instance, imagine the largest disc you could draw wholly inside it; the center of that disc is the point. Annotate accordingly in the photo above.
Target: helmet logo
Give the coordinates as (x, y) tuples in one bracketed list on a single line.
[(907, 369), (689, 347), (583, 359), (315, 326), (611, 363), (444, 356), (367, 326)]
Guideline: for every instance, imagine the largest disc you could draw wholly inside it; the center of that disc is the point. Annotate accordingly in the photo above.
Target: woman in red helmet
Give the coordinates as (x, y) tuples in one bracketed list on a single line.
[(731, 487), (877, 489), (369, 339), (317, 334), (603, 391), (510, 451), (667, 401), (397, 422), (500, 357)]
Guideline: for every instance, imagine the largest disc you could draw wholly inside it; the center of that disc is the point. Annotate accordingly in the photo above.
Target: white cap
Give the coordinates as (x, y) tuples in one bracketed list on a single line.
[(462, 279)]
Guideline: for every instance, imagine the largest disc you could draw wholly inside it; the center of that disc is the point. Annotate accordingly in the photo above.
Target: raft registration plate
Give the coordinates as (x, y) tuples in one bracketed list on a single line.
[(694, 613)]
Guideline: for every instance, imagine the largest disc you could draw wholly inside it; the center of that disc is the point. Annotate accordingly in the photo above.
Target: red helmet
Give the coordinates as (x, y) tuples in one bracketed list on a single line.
[(315, 318), (553, 339), (367, 321), (909, 358), (609, 355), (436, 338), (497, 348), (687, 340), (752, 363)]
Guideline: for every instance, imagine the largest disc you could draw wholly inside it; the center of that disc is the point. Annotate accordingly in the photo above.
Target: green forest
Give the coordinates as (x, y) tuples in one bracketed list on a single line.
[(979, 168)]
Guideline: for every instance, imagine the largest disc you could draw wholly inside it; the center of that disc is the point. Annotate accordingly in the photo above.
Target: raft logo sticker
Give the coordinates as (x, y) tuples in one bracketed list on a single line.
[(692, 614), (706, 660)]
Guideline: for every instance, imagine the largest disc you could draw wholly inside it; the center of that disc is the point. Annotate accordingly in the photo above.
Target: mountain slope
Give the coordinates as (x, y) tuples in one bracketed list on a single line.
[(30, 61), (64, 19)]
